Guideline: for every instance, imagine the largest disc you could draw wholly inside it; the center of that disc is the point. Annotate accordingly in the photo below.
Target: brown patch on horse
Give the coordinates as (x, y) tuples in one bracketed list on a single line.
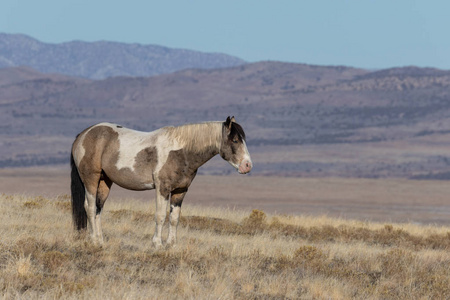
[(176, 198), (104, 186), (142, 175), (145, 163), (146, 158), (180, 169), (95, 141), (175, 173)]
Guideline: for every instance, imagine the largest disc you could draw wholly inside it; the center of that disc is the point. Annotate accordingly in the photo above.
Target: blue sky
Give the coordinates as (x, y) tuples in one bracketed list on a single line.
[(359, 33)]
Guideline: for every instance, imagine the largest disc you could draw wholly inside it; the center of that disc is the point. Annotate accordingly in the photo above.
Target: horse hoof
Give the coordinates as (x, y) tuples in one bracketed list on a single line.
[(158, 245)]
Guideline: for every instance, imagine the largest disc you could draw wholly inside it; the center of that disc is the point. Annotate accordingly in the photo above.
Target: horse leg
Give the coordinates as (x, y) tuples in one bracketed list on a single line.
[(160, 217), (90, 204), (103, 189), (176, 199)]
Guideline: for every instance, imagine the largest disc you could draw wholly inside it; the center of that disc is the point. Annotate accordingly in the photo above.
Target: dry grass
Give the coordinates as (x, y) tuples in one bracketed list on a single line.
[(221, 254)]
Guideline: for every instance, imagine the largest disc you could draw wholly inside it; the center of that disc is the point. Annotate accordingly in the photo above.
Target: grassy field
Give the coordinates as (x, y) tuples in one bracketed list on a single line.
[(221, 254)]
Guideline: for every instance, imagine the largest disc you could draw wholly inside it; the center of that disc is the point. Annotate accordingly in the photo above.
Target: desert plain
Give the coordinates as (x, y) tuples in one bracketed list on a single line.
[(380, 200)]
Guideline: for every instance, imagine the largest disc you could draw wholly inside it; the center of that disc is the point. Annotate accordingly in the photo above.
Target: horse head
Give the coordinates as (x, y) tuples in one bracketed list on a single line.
[(233, 147)]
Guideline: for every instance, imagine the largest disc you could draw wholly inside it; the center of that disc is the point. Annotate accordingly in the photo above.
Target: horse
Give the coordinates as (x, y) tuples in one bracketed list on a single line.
[(166, 160)]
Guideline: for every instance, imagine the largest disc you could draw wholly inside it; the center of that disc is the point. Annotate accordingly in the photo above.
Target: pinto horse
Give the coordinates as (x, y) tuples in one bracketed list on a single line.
[(166, 160)]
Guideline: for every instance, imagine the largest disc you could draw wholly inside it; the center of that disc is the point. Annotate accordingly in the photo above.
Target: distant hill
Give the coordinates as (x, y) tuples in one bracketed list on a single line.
[(301, 120), (99, 60)]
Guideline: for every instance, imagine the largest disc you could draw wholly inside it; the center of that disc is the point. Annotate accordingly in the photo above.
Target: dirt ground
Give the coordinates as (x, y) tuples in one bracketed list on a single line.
[(383, 200)]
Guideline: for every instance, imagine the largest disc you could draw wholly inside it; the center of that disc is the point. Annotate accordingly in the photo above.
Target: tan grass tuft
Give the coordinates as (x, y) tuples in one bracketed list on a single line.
[(36, 202)]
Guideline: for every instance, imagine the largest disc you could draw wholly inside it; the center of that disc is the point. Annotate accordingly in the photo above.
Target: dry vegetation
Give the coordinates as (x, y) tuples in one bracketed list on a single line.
[(221, 254)]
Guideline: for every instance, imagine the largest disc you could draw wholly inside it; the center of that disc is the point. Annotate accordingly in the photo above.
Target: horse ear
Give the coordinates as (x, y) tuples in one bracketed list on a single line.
[(228, 123), (233, 120)]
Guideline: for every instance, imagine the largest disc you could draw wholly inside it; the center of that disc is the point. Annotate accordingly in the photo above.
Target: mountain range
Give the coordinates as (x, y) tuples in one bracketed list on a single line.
[(103, 59), (300, 120)]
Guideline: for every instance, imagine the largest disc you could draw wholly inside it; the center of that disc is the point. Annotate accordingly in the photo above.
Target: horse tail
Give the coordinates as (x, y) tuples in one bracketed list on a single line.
[(78, 197)]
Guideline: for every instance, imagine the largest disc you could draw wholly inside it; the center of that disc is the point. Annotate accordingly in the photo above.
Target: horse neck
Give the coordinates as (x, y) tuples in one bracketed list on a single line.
[(200, 141)]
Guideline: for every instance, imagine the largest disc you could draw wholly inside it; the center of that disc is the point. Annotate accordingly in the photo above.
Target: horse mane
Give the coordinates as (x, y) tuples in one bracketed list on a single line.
[(236, 129), (197, 137)]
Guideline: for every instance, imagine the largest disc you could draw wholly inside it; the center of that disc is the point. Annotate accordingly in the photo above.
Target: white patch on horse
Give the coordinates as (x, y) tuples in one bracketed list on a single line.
[(173, 222), (79, 151), (246, 154), (131, 142), (165, 145), (150, 186)]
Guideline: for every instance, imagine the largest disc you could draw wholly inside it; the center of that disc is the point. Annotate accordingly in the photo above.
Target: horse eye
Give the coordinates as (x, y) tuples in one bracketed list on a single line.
[(235, 141)]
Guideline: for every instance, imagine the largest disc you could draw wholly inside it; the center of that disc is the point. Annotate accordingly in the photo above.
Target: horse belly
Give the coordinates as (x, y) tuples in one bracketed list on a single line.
[(130, 179)]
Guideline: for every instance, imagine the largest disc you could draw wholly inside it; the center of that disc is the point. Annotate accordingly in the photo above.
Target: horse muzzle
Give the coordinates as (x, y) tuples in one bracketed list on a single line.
[(245, 166)]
